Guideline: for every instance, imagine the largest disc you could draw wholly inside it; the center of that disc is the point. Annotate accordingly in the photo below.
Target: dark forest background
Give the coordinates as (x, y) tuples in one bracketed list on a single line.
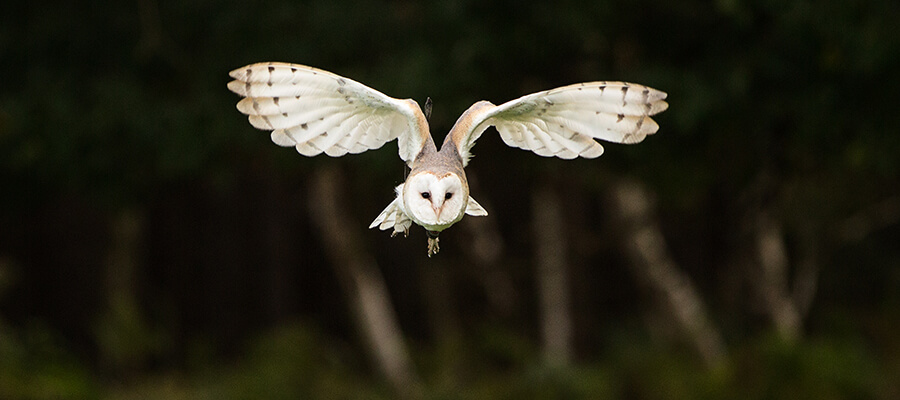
[(154, 245)]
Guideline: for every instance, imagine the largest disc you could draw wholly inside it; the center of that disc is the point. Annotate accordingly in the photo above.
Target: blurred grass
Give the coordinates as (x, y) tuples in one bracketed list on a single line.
[(295, 361)]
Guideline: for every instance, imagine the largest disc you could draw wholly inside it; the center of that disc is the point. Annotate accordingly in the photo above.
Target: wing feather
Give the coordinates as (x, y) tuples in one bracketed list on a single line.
[(564, 122), (352, 143), (317, 112)]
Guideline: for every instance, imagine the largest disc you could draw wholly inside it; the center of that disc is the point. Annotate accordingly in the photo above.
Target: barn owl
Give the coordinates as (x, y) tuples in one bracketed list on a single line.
[(317, 112)]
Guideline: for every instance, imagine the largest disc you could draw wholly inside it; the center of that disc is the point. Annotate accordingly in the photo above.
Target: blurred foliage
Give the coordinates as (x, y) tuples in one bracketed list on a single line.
[(295, 361), (111, 108), (35, 364)]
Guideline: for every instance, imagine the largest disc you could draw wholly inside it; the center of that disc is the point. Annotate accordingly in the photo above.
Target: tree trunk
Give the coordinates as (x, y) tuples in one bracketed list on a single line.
[(772, 281), (278, 273), (552, 275), (126, 341), (362, 283), (485, 247), (645, 247)]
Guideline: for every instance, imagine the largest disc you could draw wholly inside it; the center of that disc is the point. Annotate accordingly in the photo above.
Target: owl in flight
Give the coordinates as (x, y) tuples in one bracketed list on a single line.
[(317, 112)]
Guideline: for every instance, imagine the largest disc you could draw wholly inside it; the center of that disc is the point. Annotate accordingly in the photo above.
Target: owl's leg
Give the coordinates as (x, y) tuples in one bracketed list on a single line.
[(433, 247)]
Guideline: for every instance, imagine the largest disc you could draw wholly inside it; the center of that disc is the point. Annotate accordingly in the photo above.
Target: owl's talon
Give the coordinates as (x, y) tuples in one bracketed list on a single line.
[(433, 247)]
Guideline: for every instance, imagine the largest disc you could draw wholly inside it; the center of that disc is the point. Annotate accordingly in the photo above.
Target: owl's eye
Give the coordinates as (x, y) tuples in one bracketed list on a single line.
[(426, 195), (448, 196)]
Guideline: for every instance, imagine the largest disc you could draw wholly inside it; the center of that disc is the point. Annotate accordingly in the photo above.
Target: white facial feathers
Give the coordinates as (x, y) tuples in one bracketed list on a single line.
[(435, 202)]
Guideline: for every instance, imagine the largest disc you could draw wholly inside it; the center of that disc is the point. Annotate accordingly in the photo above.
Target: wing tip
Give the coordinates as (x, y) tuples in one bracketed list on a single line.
[(593, 151), (260, 122), (241, 72), (658, 107), (282, 139), (238, 86)]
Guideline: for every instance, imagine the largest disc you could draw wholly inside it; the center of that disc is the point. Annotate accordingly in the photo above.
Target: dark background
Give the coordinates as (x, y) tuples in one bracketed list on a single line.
[(154, 245)]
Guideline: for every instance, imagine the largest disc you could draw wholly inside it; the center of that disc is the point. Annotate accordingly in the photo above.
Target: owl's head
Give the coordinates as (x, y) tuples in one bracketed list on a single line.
[(435, 201)]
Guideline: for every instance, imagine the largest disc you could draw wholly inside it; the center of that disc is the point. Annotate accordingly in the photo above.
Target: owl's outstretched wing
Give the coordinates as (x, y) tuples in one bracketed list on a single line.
[(317, 111), (564, 122)]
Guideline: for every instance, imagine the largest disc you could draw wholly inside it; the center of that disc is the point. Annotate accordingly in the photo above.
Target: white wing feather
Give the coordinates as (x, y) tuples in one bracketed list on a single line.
[(317, 111), (564, 122), (393, 216)]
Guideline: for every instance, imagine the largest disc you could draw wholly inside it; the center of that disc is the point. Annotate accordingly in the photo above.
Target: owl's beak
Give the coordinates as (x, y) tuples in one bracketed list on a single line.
[(437, 206), (437, 211)]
